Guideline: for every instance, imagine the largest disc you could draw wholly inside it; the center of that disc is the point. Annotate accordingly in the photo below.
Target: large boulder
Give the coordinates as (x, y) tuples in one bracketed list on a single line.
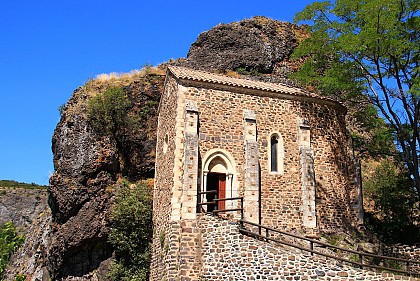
[(255, 45)]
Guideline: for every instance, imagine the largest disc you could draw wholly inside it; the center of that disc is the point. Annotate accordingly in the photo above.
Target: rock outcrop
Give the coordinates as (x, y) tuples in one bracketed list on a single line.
[(253, 46), (30, 258), (28, 210), (86, 167)]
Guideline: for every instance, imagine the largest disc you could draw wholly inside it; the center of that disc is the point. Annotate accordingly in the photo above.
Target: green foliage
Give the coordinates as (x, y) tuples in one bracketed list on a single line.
[(395, 204), (379, 141), (162, 239), (15, 184), (334, 239), (372, 48), (148, 109), (10, 241), (131, 232), (248, 71), (20, 277), (108, 112)]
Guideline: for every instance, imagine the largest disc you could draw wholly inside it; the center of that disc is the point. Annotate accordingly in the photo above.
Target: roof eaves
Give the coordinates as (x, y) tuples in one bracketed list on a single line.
[(187, 74)]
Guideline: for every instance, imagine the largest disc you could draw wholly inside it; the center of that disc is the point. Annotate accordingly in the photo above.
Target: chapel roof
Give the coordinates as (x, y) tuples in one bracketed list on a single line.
[(184, 73)]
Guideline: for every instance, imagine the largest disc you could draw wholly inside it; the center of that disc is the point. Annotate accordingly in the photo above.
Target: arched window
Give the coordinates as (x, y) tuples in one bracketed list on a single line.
[(276, 153), (274, 143)]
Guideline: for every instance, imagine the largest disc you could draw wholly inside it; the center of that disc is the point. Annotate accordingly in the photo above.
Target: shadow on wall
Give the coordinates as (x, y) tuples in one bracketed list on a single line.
[(333, 202)]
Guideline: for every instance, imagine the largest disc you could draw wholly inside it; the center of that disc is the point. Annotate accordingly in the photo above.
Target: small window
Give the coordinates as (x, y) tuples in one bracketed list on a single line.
[(276, 153), (165, 143), (274, 149)]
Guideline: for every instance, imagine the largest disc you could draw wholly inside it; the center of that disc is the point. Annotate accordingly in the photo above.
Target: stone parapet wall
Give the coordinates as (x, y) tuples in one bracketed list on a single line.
[(229, 255)]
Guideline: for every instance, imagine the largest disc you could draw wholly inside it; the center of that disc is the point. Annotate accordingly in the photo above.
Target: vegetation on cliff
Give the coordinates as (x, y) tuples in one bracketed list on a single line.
[(131, 232), (108, 112), (16, 184), (10, 241)]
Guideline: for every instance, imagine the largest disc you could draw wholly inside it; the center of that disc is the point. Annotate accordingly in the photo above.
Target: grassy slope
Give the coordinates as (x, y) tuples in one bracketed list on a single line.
[(15, 184)]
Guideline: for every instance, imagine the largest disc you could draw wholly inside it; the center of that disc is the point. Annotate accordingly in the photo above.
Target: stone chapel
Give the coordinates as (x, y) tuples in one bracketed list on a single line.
[(272, 154)]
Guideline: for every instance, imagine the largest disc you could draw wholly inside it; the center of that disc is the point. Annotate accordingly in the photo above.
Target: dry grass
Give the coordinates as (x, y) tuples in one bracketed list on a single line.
[(232, 73), (127, 77)]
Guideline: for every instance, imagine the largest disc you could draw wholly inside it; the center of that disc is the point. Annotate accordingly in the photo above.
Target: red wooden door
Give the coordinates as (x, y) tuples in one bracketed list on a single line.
[(222, 191)]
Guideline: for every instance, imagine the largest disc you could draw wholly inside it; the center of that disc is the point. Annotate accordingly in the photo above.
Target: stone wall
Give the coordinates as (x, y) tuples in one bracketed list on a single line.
[(207, 130), (405, 252), (164, 182), (221, 127), (229, 255)]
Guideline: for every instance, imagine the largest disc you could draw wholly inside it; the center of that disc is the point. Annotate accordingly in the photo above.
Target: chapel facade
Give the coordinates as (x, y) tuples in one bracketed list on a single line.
[(283, 155)]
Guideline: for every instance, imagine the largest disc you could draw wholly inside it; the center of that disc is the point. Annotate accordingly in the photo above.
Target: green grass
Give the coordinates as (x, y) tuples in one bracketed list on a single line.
[(15, 184)]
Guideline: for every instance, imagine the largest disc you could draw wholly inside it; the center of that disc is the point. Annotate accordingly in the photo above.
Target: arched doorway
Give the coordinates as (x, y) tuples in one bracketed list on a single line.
[(217, 180)]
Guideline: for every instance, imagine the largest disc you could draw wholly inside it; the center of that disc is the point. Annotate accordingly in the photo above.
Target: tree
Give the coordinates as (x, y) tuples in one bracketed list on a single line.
[(369, 47), (131, 232), (393, 217)]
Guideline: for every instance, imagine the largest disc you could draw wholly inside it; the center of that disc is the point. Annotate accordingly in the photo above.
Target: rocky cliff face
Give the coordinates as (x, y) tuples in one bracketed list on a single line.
[(28, 210), (30, 259), (21, 206), (87, 165)]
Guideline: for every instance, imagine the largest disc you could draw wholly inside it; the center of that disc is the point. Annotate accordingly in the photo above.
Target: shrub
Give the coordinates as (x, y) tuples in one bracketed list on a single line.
[(10, 241), (61, 109), (108, 112), (131, 233)]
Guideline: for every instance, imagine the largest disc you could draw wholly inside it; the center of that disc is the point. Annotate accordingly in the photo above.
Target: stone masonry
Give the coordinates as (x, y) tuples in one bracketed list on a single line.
[(285, 151), (229, 255)]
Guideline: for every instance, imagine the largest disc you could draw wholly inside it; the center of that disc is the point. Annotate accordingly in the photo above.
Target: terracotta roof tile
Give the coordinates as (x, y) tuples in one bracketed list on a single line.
[(202, 76), (281, 90)]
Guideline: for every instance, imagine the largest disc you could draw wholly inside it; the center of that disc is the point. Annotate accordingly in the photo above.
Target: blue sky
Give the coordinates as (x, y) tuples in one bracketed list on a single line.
[(49, 48)]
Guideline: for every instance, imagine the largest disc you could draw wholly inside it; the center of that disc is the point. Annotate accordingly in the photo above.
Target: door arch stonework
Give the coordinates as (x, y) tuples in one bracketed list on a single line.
[(219, 162)]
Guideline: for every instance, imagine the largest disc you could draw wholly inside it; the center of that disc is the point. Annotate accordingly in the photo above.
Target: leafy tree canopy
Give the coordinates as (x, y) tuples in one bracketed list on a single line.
[(369, 51)]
